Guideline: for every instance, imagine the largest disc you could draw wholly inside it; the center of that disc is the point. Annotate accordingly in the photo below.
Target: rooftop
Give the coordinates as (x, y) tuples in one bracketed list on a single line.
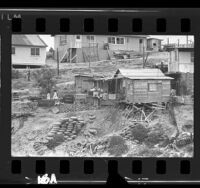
[(141, 74), (28, 40)]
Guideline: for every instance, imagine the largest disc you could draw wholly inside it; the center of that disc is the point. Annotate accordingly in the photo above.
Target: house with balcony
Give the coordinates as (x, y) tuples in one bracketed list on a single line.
[(181, 59), (90, 48), (181, 67)]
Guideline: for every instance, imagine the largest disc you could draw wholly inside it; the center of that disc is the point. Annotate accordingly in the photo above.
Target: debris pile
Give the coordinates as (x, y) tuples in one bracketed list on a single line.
[(117, 146), (67, 127), (135, 131)]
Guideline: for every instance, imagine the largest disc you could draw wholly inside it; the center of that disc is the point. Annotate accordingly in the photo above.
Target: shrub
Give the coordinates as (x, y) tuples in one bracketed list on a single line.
[(145, 151), (117, 146), (15, 74), (156, 135), (139, 132), (45, 79)]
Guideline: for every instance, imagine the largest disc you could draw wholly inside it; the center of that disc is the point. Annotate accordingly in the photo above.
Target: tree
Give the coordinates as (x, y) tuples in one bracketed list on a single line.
[(45, 79)]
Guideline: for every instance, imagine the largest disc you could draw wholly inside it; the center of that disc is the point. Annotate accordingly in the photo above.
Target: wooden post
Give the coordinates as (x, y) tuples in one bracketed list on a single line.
[(186, 40), (116, 87), (172, 117), (70, 55), (143, 55), (89, 55), (57, 62)]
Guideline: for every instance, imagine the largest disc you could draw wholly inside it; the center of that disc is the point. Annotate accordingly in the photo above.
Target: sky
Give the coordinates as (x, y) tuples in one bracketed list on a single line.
[(172, 39)]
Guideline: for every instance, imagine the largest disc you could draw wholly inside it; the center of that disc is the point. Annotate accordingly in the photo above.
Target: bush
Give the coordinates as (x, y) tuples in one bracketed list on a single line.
[(156, 136), (117, 146), (145, 151), (139, 132), (15, 74), (45, 79)]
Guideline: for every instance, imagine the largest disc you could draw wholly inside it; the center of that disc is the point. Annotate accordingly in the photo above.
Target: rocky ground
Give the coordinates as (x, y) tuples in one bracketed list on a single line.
[(87, 133)]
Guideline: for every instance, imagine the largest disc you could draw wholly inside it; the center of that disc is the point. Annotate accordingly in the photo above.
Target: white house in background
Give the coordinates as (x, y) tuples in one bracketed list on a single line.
[(28, 50), (85, 48), (181, 59), (154, 44)]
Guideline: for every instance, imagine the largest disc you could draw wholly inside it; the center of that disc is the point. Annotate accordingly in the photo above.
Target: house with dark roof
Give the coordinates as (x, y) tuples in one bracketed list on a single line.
[(28, 51)]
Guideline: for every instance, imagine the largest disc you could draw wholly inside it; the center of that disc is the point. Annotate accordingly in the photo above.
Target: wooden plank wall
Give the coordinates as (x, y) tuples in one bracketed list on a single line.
[(137, 91)]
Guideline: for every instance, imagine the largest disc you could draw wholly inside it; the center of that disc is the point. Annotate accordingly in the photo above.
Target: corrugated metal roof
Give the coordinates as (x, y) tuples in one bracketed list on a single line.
[(136, 36), (154, 38), (142, 74), (28, 40)]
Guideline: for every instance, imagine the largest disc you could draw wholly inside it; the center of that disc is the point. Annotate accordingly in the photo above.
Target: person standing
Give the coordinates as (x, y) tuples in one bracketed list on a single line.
[(55, 97), (48, 96), (28, 73)]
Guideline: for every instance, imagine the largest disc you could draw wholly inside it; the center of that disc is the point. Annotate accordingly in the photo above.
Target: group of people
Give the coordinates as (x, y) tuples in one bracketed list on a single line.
[(55, 97), (98, 96)]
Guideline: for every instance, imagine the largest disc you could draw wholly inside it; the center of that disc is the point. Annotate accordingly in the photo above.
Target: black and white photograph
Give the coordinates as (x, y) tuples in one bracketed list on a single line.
[(102, 96)]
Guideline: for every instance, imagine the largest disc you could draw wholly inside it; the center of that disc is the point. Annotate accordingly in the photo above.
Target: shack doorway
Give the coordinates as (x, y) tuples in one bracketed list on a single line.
[(115, 86)]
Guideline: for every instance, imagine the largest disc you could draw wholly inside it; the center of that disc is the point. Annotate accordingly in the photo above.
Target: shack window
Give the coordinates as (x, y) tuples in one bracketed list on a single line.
[(90, 37), (192, 56), (35, 51), (141, 41), (154, 44), (152, 87), (78, 37), (13, 50), (111, 40), (63, 40), (120, 40)]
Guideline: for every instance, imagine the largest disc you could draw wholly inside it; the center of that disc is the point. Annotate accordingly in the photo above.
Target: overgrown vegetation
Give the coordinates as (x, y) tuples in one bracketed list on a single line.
[(139, 132), (15, 74), (117, 146), (45, 79), (156, 135)]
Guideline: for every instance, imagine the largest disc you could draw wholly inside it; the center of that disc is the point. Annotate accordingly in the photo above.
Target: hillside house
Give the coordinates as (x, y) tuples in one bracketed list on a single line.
[(181, 59), (129, 85), (154, 44), (90, 48), (181, 68), (28, 51)]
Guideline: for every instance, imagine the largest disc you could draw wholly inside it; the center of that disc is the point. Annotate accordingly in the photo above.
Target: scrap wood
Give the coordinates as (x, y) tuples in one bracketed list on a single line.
[(148, 117)]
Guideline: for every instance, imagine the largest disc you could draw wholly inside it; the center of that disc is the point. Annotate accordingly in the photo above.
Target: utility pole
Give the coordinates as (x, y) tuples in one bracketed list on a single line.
[(89, 55), (143, 55), (70, 56), (186, 40), (57, 62)]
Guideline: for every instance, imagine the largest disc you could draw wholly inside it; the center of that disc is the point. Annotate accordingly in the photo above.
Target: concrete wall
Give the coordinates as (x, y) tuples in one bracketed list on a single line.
[(185, 64), (23, 56), (182, 64)]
